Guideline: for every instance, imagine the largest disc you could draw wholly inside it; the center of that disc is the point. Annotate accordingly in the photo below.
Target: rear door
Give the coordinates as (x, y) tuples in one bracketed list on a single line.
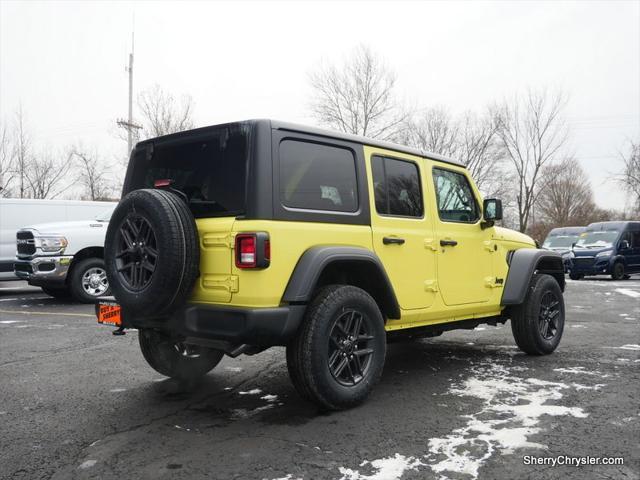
[(402, 234), (464, 261)]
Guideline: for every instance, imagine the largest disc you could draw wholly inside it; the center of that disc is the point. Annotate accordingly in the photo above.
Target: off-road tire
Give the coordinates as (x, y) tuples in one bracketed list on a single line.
[(617, 273), (576, 276), (526, 318), (160, 352), (61, 293), (177, 249), (308, 352), (75, 280)]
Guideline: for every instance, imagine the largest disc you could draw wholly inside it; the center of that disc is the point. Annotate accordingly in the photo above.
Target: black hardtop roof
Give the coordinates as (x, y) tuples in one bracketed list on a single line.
[(614, 225), (566, 231), (293, 127)]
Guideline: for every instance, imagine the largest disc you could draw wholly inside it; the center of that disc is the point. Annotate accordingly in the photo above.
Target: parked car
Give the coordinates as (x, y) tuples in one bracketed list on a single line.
[(607, 248), (66, 259), (561, 240), (15, 213), (234, 238)]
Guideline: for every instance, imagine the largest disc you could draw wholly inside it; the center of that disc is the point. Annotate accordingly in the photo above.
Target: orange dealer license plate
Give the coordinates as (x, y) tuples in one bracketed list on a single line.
[(109, 314)]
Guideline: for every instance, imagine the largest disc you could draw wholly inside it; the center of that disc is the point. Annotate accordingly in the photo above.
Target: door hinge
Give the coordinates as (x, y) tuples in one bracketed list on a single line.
[(431, 285), (430, 244), (217, 240), (221, 282)]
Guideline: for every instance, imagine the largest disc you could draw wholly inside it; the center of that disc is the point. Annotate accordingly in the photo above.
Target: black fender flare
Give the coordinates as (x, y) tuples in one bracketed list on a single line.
[(522, 265), (315, 260)]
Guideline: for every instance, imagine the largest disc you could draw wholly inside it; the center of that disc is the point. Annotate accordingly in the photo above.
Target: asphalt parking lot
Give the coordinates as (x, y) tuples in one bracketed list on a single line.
[(77, 402)]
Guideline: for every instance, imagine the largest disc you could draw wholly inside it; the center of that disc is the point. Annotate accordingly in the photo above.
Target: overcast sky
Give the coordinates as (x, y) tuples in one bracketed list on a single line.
[(65, 62)]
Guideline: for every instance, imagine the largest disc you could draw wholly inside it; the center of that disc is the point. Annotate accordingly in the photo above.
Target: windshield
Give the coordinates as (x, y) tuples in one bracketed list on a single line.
[(599, 239), (560, 241), (209, 168), (105, 215)]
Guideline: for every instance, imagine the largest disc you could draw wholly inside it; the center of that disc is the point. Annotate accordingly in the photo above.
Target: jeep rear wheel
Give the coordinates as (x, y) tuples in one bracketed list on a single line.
[(175, 359), (338, 354), (152, 252), (538, 323)]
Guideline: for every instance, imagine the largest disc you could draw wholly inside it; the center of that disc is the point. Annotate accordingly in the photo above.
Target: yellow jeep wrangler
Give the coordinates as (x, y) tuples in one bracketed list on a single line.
[(234, 238)]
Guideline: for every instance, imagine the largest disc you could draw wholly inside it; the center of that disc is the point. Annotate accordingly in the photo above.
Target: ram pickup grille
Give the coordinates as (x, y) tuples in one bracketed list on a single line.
[(25, 243)]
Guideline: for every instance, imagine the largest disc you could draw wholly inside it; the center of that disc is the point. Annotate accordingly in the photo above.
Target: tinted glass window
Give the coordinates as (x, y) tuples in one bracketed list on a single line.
[(456, 202), (317, 177), (636, 240), (209, 170), (397, 187)]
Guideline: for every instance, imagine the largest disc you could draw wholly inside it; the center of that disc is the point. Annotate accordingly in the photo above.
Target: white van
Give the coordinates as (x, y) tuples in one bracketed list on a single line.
[(16, 213)]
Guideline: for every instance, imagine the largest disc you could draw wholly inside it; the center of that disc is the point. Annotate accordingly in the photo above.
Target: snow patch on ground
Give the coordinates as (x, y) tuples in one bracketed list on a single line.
[(390, 468), (629, 293), (87, 464), (117, 390), (255, 391), (579, 371), (630, 347), (8, 322), (269, 398), (242, 413), (512, 408), (233, 369)]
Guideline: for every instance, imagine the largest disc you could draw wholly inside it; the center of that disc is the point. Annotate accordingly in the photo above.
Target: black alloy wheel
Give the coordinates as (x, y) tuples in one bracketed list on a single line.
[(136, 252), (351, 348), (549, 313)]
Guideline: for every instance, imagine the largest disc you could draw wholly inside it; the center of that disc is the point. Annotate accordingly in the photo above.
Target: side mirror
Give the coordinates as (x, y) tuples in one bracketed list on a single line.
[(624, 245), (492, 211)]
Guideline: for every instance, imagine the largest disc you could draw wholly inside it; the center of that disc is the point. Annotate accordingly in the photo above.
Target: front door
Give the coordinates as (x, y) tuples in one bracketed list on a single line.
[(401, 232), (464, 260)]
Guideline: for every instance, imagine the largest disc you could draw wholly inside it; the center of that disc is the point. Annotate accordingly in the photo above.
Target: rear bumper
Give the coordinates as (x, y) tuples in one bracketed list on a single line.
[(42, 271), (236, 325)]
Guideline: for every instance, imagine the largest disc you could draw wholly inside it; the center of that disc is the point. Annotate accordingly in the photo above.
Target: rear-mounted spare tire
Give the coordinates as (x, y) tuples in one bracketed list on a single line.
[(152, 255)]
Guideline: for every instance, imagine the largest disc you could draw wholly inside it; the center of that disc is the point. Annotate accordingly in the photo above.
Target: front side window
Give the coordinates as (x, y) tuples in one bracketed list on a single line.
[(456, 202), (396, 187), (317, 177)]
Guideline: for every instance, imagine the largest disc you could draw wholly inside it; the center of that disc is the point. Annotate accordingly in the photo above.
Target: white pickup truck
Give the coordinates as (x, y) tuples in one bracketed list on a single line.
[(65, 258)]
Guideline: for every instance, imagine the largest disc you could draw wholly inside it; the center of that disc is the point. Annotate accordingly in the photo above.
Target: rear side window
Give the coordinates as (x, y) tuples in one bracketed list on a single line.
[(209, 169), (456, 202), (317, 177), (397, 187)]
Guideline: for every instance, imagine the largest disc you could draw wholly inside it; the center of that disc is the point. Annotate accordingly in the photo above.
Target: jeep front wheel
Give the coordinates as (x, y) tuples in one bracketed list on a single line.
[(175, 359), (538, 323), (338, 354)]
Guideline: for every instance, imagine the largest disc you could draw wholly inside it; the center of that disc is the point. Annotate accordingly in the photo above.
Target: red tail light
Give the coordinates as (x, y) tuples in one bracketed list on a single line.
[(163, 182), (253, 250)]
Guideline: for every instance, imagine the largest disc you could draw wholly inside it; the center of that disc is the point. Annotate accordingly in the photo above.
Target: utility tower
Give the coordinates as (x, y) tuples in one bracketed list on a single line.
[(128, 124)]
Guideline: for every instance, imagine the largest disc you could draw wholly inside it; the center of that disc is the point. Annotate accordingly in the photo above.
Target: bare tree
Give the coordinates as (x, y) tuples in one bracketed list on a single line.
[(567, 198), (630, 177), (93, 175), (532, 135), (22, 153), (434, 130), (47, 176), (471, 139), (7, 171), (358, 97), (162, 113)]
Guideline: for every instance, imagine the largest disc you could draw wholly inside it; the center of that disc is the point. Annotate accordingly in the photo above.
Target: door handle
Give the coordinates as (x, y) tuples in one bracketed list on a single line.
[(448, 243), (393, 241)]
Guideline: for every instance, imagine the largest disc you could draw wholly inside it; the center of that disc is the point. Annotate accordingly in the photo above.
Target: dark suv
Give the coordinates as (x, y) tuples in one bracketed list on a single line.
[(607, 248)]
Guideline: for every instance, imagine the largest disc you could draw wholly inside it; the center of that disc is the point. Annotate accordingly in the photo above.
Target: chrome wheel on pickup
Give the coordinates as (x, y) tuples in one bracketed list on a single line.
[(88, 280)]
